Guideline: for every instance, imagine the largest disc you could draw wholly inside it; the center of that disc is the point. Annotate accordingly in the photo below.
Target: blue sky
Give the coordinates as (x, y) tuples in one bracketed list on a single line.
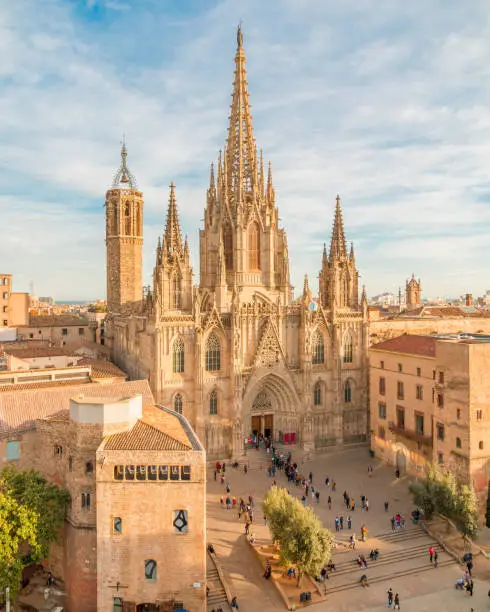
[(383, 101)]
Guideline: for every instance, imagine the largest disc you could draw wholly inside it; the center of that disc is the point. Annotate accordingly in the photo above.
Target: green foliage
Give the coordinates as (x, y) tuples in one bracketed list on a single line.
[(303, 541), (31, 514), (18, 529), (48, 500), (441, 492)]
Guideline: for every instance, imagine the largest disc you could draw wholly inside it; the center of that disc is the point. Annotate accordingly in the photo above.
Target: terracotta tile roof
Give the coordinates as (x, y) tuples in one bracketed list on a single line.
[(103, 369), (42, 385), (143, 436), (20, 409), (409, 344), (56, 321), (39, 351)]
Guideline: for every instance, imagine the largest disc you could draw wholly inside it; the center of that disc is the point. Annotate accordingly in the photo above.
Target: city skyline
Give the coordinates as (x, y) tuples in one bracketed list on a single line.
[(395, 119)]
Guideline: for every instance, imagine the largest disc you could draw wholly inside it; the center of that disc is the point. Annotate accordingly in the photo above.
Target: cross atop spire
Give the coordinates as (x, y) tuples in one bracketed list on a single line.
[(240, 149), (338, 248), (124, 178), (173, 237)]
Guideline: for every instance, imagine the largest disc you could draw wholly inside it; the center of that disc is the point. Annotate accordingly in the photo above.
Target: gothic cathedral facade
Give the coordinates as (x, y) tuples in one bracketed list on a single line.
[(237, 354)]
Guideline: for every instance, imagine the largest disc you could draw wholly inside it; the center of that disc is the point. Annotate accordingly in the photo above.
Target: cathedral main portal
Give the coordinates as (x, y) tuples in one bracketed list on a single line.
[(272, 410)]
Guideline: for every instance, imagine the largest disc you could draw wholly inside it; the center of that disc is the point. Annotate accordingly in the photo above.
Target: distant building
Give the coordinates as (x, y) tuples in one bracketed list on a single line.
[(429, 402), (413, 290), (14, 306), (59, 330)]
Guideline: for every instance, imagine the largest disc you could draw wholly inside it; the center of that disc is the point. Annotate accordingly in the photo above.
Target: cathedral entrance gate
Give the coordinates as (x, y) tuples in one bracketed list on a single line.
[(263, 424), (270, 408)]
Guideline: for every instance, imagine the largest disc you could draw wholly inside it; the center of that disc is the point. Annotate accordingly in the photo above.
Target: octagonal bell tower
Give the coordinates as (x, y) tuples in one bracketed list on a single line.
[(124, 238)]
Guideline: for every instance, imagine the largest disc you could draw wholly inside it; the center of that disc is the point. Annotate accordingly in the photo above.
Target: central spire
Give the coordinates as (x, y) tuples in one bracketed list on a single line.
[(173, 236), (338, 248), (240, 150)]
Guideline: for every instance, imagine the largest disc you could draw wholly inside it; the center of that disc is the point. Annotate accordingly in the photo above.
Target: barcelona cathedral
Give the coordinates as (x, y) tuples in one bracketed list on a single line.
[(237, 354)]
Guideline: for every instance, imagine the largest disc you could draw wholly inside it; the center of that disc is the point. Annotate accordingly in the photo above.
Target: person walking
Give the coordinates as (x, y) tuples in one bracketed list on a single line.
[(329, 502), (367, 504), (337, 524), (436, 557), (431, 553), (390, 597), (349, 522), (317, 495), (341, 519), (386, 506), (215, 474), (397, 602), (303, 501), (311, 477)]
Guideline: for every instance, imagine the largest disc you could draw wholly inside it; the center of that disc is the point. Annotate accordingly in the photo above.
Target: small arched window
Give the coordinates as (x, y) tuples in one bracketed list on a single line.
[(178, 356), (348, 392), (177, 292), (150, 570), (318, 348), (458, 442), (228, 245), (317, 394), (253, 247), (213, 402), (127, 219), (178, 403), (348, 350), (213, 354), (89, 467)]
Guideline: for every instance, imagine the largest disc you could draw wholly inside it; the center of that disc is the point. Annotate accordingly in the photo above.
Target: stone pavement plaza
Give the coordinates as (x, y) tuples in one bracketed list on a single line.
[(402, 556)]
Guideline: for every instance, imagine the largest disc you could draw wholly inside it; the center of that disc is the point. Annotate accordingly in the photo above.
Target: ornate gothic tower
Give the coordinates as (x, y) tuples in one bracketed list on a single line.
[(413, 293), (339, 278), (241, 244), (172, 275), (124, 238)]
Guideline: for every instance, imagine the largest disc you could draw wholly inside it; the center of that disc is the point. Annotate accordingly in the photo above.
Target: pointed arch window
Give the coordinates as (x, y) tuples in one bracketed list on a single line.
[(177, 292), (228, 245), (213, 402), (317, 394), (178, 356), (253, 246), (138, 221), (127, 219), (178, 403), (348, 392), (213, 354), (318, 348), (348, 349)]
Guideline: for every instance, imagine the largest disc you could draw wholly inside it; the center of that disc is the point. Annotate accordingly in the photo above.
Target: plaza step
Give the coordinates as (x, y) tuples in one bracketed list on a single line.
[(387, 577), (386, 558), (217, 594)]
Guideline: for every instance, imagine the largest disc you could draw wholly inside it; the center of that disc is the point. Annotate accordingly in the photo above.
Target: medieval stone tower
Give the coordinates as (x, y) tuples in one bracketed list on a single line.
[(124, 238), (413, 293), (236, 353)]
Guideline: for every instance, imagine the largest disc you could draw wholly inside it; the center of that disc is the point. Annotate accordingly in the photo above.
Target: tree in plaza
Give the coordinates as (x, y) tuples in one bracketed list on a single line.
[(18, 530), (440, 491), (303, 540), (40, 508)]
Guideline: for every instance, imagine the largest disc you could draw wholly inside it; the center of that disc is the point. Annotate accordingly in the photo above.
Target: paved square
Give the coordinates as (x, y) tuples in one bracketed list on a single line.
[(400, 554)]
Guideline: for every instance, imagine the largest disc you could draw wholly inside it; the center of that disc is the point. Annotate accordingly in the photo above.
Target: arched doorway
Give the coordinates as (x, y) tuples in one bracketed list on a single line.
[(270, 409), (147, 607)]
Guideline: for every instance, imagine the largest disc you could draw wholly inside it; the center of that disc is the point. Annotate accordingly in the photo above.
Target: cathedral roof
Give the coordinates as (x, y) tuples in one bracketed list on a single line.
[(173, 235), (338, 249), (124, 178)]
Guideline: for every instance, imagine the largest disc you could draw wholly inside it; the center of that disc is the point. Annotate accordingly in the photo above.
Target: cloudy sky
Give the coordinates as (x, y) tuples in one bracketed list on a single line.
[(386, 102)]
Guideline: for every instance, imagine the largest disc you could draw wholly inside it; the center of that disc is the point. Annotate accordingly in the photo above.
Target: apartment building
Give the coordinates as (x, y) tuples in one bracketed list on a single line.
[(429, 401)]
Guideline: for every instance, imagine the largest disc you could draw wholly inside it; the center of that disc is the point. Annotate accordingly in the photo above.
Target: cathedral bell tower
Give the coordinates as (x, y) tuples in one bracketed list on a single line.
[(124, 238), (172, 275)]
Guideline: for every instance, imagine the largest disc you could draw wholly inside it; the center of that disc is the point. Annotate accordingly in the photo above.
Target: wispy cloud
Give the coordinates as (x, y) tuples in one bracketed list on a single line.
[(387, 103)]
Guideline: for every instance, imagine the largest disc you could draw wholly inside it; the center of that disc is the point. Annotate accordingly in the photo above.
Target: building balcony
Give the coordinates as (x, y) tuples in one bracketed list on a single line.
[(410, 434)]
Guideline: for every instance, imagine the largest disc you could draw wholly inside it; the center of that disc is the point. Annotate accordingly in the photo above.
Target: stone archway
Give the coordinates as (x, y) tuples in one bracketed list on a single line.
[(270, 407)]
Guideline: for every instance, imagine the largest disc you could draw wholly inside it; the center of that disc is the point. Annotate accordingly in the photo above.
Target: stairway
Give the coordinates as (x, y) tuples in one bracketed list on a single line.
[(217, 594), (402, 553)]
